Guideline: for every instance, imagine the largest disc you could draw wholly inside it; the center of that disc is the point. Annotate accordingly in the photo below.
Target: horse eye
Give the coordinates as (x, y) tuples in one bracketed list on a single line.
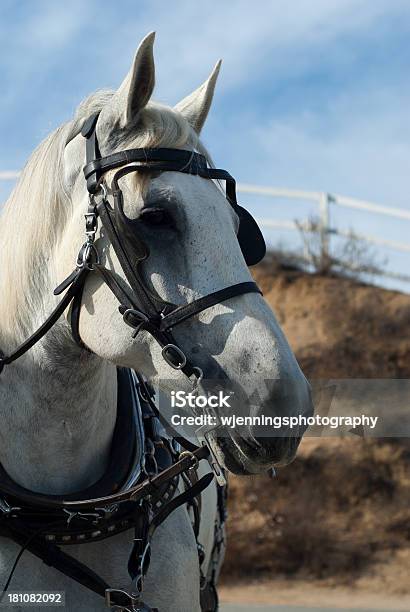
[(156, 216)]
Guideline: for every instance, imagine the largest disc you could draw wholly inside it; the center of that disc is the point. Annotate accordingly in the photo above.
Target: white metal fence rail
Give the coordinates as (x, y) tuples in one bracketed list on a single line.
[(325, 201), (9, 175)]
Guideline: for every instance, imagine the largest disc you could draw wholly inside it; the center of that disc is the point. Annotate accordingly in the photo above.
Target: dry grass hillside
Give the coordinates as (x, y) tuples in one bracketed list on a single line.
[(340, 513)]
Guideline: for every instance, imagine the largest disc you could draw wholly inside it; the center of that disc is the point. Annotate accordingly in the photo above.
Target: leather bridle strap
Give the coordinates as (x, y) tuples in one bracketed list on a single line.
[(145, 300), (75, 284), (186, 311)]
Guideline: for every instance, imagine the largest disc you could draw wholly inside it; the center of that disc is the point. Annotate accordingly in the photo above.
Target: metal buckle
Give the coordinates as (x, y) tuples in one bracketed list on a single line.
[(140, 316), (202, 433), (87, 253), (84, 259), (91, 223), (129, 607), (182, 358), (214, 463), (194, 460), (135, 604)]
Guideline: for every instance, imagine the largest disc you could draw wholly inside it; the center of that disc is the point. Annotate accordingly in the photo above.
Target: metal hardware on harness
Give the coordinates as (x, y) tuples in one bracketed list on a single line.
[(86, 256), (199, 375), (96, 516), (138, 581), (91, 223), (215, 465), (108, 511), (6, 509), (135, 318), (194, 459), (172, 348), (88, 250), (134, 603), (85, 516), (202, 434)]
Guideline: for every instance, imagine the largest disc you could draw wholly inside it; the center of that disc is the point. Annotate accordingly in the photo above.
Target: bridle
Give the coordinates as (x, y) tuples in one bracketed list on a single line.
[(140, 307)]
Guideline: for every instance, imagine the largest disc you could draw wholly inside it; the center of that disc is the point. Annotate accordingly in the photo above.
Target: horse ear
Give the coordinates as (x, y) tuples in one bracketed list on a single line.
[(137, 87), (195, 107)]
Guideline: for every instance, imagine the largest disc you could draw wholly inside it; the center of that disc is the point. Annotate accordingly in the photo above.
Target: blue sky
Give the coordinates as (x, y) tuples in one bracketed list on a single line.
[(313, 94)]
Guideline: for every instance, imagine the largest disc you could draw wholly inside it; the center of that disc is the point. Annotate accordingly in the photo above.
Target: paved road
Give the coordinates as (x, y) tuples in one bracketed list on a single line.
[(263, 608)]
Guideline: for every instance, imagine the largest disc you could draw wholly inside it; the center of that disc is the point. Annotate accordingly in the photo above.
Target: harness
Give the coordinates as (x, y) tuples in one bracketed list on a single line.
[(40, 523), (139, 497)]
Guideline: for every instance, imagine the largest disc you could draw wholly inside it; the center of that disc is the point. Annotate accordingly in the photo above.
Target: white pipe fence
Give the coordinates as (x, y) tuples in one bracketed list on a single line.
[(324, 201), (9, 175)]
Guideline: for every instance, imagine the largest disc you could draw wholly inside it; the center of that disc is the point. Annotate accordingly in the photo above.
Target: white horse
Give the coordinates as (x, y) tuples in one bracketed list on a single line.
[(58, 402)]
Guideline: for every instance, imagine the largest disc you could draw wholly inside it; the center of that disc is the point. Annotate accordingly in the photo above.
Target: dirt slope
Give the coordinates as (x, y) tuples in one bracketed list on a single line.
[(337, 327), (340, 513)]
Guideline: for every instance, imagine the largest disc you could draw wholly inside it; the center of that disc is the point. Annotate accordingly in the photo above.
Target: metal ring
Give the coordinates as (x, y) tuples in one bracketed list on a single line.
[(104, 190), (181, 355), (100, 187)]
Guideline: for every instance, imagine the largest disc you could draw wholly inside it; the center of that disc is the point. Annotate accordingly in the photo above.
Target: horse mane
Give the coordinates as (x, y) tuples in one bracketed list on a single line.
[(36, 213)]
